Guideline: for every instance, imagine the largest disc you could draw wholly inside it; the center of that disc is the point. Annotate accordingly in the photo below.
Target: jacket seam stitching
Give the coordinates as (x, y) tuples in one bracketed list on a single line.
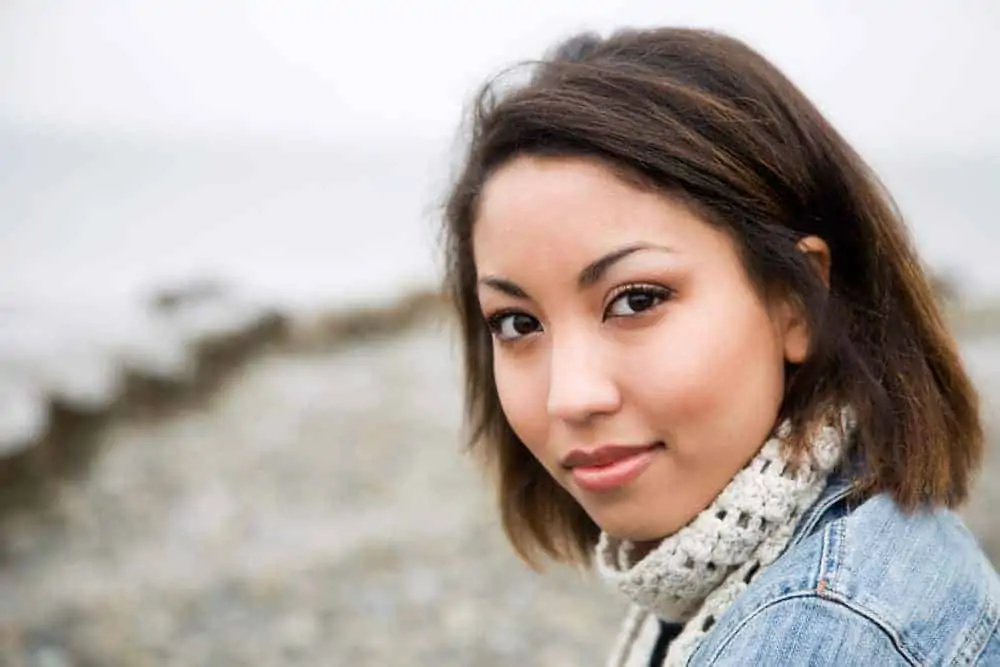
[(836, 600), (834, 545), (876, 619), (834, 537), (974, 658)]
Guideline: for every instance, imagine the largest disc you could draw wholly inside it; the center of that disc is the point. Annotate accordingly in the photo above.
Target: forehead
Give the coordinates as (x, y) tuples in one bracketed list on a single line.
[(538, 210)]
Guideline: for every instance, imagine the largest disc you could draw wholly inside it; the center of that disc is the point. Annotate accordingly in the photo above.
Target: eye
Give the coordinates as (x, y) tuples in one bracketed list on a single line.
[(633, 300), (508, 326)]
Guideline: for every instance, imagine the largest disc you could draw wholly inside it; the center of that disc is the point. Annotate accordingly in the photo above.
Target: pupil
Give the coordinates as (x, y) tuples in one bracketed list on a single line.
[(640, 301), (523, 324)]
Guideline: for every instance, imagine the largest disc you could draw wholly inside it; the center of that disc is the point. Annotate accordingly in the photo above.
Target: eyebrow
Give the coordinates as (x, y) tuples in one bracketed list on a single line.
[(590, 274), (594, 271), (504, 285)]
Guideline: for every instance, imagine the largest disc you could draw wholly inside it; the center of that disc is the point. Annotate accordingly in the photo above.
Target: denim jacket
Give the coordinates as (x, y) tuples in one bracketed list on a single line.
[(865, 585)]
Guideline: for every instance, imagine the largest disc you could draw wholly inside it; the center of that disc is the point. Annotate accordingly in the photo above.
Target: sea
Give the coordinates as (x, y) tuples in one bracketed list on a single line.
[(92, 225), (98, 217)]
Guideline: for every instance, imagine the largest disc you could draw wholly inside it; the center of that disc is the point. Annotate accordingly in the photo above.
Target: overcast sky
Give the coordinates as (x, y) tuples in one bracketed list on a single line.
[(900, 74)]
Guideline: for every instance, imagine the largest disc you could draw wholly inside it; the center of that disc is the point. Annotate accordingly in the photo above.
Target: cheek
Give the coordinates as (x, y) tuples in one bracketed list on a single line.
[(523, 396), (722, 381)]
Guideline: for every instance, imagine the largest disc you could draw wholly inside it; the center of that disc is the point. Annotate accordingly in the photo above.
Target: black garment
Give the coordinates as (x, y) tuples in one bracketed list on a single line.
[(668, 632)]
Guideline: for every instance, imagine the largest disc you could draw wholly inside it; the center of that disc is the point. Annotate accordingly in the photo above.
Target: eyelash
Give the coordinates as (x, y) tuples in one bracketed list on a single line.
[(495, 321)]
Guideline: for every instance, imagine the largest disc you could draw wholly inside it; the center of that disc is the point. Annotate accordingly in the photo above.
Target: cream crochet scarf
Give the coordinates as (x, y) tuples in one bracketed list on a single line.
[(694, 575)]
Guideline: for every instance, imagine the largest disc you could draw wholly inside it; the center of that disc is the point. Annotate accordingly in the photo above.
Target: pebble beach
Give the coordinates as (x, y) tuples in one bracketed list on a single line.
[(314, 509)]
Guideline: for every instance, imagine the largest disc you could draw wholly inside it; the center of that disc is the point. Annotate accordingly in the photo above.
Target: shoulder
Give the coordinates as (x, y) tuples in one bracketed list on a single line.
[(920, 575), (877, 583)]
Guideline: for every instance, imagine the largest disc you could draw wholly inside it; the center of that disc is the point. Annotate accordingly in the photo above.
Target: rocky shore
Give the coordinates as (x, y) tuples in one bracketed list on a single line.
[(312, 508)]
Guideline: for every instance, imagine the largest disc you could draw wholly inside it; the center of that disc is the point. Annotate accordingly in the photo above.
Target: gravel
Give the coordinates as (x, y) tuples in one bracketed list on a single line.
[(316, 510)]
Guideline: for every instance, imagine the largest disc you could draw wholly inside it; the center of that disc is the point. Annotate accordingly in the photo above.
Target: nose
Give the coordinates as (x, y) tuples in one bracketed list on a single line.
[(580, 386)]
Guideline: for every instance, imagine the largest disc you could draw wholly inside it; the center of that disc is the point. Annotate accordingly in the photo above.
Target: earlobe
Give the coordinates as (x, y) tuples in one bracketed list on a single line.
[(792, 329), (796, 340)]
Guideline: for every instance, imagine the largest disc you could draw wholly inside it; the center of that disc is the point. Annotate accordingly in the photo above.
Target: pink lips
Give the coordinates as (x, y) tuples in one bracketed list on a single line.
[(609, 467)]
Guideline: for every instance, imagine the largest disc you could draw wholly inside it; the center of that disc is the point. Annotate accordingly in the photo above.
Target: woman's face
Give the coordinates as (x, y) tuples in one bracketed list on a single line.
[(632, 355)]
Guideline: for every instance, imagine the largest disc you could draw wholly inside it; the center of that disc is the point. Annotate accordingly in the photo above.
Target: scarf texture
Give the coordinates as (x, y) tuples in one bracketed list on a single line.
[(694, 575)]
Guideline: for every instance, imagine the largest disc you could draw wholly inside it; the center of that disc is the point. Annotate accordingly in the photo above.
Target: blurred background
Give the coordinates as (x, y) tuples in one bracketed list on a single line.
[(229, 403)]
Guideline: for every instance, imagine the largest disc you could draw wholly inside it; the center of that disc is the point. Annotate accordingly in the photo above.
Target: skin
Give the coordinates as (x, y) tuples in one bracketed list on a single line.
[(668, 344)]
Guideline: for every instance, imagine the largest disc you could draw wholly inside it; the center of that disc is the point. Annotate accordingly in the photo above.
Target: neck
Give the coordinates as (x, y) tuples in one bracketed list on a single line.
[(694, 574)]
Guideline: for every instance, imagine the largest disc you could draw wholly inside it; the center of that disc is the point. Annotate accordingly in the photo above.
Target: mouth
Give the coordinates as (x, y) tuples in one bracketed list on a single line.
[(610, 467)]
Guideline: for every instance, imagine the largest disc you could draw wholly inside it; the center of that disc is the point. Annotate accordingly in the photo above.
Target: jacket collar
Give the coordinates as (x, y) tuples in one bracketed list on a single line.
[(838, 487)]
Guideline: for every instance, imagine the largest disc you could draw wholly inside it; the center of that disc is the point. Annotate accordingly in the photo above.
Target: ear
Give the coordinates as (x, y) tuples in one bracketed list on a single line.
[(792, 322), (818, 253)]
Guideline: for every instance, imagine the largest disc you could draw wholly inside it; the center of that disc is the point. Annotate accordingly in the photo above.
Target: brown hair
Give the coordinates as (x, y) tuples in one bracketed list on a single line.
[(702, 116)]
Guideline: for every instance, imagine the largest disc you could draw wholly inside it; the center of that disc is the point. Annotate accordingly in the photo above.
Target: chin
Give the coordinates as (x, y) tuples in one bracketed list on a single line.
[(626, 526)]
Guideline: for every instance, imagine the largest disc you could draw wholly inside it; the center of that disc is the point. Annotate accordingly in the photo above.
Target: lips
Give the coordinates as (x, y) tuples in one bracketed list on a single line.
[(610, 467)]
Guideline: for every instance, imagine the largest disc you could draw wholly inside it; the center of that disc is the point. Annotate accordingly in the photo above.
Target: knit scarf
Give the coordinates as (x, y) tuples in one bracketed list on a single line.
[(694, 575)]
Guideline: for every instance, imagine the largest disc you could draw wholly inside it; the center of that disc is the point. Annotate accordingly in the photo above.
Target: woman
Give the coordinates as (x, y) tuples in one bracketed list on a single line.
[(702, 355)]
